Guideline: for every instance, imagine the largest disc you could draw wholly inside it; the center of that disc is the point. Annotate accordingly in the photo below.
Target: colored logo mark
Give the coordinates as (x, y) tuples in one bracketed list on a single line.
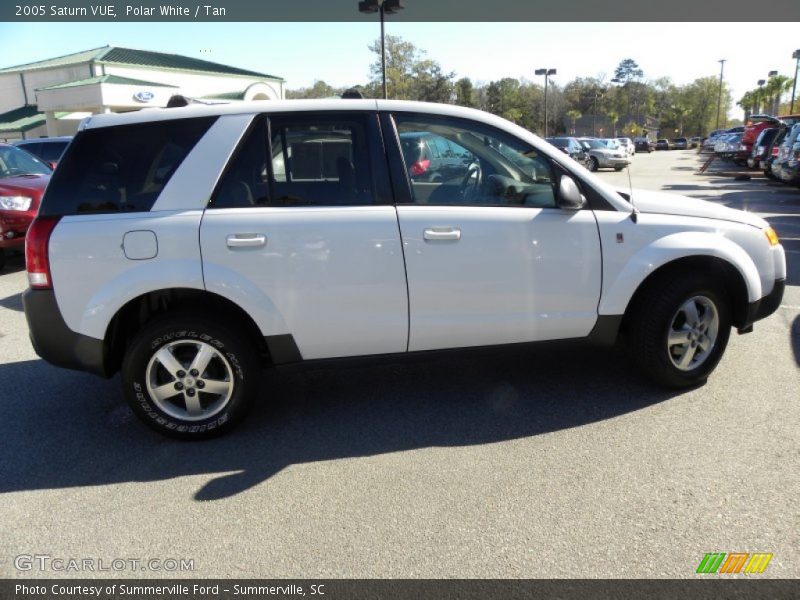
[(735, 562)]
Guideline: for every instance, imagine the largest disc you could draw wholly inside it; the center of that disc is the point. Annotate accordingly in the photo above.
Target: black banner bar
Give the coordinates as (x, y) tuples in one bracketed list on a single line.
[(415, 10), (350, 589)]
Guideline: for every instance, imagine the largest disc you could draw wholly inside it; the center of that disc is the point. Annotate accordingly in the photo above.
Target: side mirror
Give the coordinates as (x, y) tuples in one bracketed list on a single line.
[(569, 196)]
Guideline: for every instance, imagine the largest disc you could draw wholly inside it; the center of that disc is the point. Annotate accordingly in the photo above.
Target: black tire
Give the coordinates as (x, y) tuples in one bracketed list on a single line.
[(2, 259), (593, 164), (234, 363), (652, 320), (618, 168)]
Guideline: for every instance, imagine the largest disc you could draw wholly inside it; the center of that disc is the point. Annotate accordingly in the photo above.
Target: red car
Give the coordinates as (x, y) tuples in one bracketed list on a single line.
[(23, 178), (755, 125)]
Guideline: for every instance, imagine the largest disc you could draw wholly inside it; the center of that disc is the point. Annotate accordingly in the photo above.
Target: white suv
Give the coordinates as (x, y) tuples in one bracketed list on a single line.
[(191, 247)]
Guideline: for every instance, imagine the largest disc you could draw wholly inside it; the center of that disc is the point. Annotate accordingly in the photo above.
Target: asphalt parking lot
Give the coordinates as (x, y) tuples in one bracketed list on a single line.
[(560, 462)]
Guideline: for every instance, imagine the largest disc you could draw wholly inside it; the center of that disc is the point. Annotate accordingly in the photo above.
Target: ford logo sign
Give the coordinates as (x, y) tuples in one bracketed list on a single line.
[(143, 96)]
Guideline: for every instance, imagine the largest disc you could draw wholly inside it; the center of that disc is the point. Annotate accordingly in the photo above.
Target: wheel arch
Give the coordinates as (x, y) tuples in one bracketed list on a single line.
[(726, 274), (138, 311)]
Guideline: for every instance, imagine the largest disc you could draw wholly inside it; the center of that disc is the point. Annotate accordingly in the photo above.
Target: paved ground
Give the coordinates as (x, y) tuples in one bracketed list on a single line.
[(557, 463)]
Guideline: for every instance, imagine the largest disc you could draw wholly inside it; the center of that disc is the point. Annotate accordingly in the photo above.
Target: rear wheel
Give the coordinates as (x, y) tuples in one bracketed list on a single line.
[(189, 377), (680, 329), (2, 258), (593, 164)]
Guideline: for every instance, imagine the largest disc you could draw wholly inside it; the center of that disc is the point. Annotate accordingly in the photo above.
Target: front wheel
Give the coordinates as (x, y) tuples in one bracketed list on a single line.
[(189, 377), (593, 164), (680, 330), (2, 259)]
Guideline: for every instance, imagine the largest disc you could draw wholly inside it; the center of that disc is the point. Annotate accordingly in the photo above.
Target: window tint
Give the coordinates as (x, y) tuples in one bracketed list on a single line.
[(34, 148), (52, 150), (122, 168), (487, 168), (317, 161)]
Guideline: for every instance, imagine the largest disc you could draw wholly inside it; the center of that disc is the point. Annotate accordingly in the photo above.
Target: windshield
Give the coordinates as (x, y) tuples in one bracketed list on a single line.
[(15, 163), (595, 144)]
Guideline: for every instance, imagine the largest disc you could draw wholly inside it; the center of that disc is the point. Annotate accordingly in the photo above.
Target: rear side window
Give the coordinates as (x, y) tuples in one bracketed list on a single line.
[(303, 161), (120, 169), (52, 150), (34, 148)]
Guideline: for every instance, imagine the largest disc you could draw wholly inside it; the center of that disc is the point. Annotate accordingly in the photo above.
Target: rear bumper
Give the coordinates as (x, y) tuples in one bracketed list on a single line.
[(761, 309), (55, 342)]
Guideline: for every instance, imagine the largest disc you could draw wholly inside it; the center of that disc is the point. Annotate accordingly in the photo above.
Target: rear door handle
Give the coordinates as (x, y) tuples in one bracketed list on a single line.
[(243, 240), (442, 233)]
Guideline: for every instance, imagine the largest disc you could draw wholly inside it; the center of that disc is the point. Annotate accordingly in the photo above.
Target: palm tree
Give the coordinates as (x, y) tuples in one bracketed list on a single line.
[(574, 115), (775, 88), (746, 104), (612, 117), (759, 98)]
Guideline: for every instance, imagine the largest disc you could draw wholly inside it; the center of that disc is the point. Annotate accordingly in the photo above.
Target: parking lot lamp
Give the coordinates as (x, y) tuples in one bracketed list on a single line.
[(546, 73), (796, 57), (719, 97), (384, 7)]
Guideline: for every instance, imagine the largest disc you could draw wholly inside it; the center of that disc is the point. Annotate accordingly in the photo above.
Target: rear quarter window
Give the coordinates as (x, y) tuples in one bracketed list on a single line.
[(122, 168)]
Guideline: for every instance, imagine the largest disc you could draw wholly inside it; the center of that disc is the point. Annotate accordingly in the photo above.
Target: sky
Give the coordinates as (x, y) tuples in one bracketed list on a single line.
[(338, 52)]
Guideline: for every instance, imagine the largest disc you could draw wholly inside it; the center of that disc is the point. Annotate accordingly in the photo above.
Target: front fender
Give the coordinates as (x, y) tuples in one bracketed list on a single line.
[(618, 292)]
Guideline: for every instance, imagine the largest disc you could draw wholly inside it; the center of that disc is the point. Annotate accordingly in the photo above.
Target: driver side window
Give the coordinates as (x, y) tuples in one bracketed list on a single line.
[(459, 162)]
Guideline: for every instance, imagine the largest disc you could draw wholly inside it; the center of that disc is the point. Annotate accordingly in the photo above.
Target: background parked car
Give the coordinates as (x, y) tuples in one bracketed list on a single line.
[(23, 178), (785, 152), (49, 149), (571, 147), (627, 143), (755, 125), (662, 144), (602, 155), (762, 143), (728, 146), (694, 142), (431, 157), (680, 143), (643, 145), (772, 151)]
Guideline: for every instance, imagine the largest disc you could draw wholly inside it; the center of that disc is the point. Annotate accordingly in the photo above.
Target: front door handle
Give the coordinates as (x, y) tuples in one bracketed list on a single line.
[(243, 240), (442, 233)]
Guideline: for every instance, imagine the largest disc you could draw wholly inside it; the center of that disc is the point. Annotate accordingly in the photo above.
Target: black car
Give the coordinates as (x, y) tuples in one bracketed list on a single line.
[(762, 147), (663, 144), (571, 147), (431, 157), (643, 145), (47, 149)]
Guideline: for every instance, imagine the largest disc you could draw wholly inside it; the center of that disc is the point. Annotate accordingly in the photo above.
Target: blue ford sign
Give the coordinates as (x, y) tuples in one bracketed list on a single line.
[(143, 96)]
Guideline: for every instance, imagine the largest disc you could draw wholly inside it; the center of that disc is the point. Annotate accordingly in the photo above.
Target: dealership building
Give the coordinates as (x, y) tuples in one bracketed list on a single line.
[(51, 97)]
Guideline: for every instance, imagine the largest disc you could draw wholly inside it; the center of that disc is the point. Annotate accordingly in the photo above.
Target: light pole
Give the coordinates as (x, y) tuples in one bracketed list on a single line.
[(719, 97), (546, 73), (594, 114), (384, 7), (796, 56)]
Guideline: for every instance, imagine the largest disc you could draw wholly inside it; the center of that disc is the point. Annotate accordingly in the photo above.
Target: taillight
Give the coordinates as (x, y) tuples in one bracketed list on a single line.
[(37, 256), (775, 151), (419, 167)]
